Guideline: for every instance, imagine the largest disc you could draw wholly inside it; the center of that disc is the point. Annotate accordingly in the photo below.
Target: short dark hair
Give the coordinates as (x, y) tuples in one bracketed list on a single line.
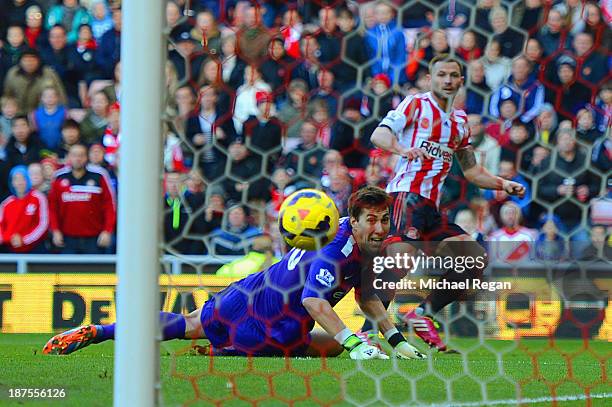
[(70, 124), (445, 58), (21, 116), (368, 197)]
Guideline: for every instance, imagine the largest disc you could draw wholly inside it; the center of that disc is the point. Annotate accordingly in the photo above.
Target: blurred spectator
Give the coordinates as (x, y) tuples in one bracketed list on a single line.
[(354, 51), (282, 186), (570, 96), (523, 87), (309, 66), (546, 124), (321, 118), (292, 32), (69, 15), (246, 103), (207, 33), (232, 66), (37, 178), (469, 49), (260, 257), (248, 181), (507, 170), (477, 88), (597, 26), (211, 75), (236, 236), (585, 127), (601, 157), (96, 119), (550, 245), (326, 91), (568, 179), (340, 188), (82, 206), (483, 11), (14, 46), (386, 45), (252, 37), (26, 81), (486, 147), (15, 12), (500, 129), (331, 160), (593, 65), (173, 14), (263, 132), (603, 107), (24, 216), (551, 35), (306, 158), (293, 111), (513, 242), (24, 146), (352, 142), (36, 35), (518, 140), (112, 136), (496, 66), (56, 56), (375, 175), (82, 66), (8, 110), (466, 220), (207, 132), (538, 157), (438, 45), (174, 159), (276, 69), (184, 104), (528, 14), (600, 247), (185, 56), (533, 53), (215, 208), (183, 216), (71, 135), (109, 47), (101, 18), (48, 118), (328, 36), (511, 40)]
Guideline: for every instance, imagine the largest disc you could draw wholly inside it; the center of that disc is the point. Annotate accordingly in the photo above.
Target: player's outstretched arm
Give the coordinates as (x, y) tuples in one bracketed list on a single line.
[(479, 176), (374, 309), (322, 312), (383, 138)]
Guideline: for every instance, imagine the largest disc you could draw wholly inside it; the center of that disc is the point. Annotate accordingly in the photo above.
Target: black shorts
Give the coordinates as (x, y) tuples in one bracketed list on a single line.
[(417, 219)]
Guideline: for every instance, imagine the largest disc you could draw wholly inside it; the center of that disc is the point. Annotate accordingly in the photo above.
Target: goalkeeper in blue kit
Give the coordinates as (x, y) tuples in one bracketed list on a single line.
[(273, 312)]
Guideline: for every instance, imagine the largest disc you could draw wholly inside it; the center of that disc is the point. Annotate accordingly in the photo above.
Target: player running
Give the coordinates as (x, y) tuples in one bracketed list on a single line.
[(426, 132), (272, 313)]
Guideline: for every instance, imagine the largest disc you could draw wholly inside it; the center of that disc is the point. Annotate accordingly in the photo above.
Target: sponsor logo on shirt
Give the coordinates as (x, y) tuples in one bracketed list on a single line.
[(325, 277), (75, 197), (437, 150)]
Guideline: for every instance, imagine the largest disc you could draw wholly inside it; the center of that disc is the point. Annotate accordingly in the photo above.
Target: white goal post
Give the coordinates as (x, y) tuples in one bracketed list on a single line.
[(136, 369)]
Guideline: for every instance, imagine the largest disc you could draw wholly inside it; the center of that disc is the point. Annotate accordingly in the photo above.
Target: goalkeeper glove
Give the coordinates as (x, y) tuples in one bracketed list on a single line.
[(357, 349), (401, 348)]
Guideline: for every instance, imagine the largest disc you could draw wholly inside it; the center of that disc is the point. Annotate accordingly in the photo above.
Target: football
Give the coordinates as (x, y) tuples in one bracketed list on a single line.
[(308, 219)]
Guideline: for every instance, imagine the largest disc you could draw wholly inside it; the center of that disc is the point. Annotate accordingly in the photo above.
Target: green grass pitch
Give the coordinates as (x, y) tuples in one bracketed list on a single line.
[(539, 368)]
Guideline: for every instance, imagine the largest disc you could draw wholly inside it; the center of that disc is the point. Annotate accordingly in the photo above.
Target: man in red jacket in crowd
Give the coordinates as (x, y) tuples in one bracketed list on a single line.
[(82, 206), (24, 216)]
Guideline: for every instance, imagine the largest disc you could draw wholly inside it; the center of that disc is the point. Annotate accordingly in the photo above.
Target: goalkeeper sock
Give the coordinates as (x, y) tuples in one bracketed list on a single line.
[(104, 333), (173, 325)]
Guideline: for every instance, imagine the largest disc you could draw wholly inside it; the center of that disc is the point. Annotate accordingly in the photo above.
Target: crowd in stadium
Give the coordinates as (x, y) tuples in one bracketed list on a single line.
[(263, 100)]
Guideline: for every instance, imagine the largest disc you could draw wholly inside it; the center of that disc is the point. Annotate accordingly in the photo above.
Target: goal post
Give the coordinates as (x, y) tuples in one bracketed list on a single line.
[(139, 207)]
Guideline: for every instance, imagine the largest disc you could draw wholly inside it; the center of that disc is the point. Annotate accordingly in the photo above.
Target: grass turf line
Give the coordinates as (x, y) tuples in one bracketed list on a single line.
[(87, 375)]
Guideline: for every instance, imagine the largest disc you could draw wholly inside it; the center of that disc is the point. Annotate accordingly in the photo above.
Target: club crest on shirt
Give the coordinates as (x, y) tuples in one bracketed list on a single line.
[(425, 123), (91, 183), (412, 233), (325, 277), (31, 209), (65, 182)]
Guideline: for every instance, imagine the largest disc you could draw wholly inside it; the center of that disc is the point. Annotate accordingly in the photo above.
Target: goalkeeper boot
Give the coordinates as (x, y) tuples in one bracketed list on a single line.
[(70, 341), (426, 328)]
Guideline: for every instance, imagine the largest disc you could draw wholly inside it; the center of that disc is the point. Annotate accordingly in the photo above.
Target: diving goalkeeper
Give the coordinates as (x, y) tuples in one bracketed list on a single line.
[(273, 312)]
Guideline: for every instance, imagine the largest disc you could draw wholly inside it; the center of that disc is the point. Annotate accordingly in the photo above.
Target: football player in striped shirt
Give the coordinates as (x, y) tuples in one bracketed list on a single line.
[(426, 131)]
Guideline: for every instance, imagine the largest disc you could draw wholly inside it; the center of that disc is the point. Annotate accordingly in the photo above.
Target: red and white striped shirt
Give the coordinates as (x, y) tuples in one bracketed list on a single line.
[(440, 134)]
